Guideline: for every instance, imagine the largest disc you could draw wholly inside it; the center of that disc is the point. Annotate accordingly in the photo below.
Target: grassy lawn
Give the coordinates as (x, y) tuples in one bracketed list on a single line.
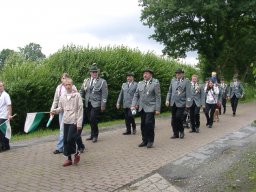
[(43, 132)]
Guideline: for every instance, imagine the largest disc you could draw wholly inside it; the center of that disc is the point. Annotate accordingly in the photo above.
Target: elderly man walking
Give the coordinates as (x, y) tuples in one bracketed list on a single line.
[(178, 97), (147, 99), (94, 91), (125, 96)]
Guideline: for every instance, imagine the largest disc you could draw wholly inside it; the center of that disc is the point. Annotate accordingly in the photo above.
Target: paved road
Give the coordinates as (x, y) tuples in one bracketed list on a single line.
[(115, 163)]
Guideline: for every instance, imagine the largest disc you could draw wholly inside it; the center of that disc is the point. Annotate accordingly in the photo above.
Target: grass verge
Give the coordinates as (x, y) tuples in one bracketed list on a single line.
[(44, 132)]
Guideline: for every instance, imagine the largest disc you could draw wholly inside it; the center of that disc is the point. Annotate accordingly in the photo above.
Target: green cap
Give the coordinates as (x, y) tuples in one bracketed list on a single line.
[(93, 68)]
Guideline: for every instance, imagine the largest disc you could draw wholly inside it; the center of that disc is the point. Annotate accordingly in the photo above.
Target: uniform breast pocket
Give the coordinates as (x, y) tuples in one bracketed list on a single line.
[(141, 88)]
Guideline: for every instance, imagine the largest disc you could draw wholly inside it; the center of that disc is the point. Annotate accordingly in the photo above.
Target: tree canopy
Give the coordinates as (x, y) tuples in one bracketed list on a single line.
[(32, 52), (223, 32)]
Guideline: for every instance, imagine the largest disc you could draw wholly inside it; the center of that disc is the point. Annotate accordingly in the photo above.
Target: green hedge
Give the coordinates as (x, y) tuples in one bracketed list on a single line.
[(32, 85)]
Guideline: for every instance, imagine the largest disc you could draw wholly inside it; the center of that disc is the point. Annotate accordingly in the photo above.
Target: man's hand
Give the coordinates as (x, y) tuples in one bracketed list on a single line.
[(52, 113), (167, 103), (102, 109), (10, 117), (157, 112), (117, 106)]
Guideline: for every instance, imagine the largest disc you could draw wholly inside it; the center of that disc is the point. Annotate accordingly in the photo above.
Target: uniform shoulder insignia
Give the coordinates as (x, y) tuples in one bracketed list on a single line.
[(87, 79)]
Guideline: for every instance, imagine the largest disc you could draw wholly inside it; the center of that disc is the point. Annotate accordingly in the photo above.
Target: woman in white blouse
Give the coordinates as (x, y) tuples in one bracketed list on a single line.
[(211, 99)]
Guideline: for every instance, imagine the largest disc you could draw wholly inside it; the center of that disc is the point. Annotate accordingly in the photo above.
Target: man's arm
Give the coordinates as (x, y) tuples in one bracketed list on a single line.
[(158, 97), (9, 111), (120, 98), (169, 95), (104, 95)]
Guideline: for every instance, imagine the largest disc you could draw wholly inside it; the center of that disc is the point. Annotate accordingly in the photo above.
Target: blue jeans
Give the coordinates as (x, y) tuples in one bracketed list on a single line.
[(59, 145)]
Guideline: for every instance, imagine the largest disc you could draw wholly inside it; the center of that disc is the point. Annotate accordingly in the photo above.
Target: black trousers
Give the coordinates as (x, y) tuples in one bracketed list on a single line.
[(69, 139), (209, 112), (147, 126), (194, 116), (4, 141), (177, 118), (129, 120), (234, 103), (224, 102), (93, 116)]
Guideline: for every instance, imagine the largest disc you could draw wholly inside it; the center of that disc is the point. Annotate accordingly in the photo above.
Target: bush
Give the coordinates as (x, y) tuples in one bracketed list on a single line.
[(32, 85)]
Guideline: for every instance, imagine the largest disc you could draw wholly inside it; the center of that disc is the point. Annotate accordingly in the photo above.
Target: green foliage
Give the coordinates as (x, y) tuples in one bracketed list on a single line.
[(4, 55), (223, 32), (32, 52), (31, 85)]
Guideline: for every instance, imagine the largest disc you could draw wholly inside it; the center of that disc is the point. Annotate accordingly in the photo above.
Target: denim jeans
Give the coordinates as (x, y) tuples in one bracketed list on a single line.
[(59, 145)]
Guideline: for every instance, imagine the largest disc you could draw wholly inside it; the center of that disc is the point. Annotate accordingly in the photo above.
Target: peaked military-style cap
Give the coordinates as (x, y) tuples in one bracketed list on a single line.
[(130, 74), (93, 68), (179, 71), (148, 70)]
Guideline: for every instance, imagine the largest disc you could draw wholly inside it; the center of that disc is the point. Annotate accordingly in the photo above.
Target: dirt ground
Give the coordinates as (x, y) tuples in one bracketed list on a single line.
[(226, 165)]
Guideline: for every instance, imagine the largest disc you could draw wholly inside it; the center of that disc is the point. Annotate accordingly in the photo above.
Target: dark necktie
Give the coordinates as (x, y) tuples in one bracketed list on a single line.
[(92, 82)]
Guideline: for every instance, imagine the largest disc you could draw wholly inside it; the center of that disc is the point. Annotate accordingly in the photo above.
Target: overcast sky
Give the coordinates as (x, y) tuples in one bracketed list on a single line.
[(56, 23)]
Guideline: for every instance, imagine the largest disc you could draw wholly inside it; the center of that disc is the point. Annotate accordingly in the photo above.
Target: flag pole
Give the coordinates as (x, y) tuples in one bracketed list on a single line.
[(8, 119)]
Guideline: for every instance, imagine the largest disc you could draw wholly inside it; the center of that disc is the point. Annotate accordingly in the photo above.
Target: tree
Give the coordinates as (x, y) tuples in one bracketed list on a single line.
[(32, 52), (219, 30), (4, 55)]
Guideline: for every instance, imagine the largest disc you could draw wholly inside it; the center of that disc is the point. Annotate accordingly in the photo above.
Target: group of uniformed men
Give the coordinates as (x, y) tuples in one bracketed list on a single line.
[(145, 97)]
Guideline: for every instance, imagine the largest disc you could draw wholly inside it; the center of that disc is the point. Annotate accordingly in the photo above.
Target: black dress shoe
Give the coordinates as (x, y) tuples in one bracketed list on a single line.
[(81, 150), (142, 144), (134, 131), (210, 126), (207, 124), (89, 138), (57, 152), (182, 135), (94, 139), (127, 133), (192, 131), (6, 148), (197, 130), (174, 137), (234, 114), (150, 145)]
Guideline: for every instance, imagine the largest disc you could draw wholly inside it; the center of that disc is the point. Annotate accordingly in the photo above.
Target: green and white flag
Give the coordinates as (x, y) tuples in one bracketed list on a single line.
[(32, 121), (6, 129)]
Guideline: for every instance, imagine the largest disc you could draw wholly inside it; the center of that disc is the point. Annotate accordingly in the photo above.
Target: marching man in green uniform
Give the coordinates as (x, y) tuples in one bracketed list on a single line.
[(178, 97), (94, 91), (125, 96), (236, 91), (197, 100), (147, 99)]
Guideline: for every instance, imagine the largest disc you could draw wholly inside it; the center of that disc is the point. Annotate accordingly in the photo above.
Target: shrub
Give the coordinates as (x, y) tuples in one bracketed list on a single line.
[(31, 85)]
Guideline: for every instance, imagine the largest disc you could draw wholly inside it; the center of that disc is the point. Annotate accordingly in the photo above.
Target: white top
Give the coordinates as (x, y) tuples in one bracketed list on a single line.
[(212, 95), (5, 101)]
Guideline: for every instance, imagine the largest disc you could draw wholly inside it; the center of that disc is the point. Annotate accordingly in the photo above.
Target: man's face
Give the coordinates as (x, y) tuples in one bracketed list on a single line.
[(178, 75), (68, 85), (194, 79), (147, 76), (1, 87), (94, 74), (130, 78)]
